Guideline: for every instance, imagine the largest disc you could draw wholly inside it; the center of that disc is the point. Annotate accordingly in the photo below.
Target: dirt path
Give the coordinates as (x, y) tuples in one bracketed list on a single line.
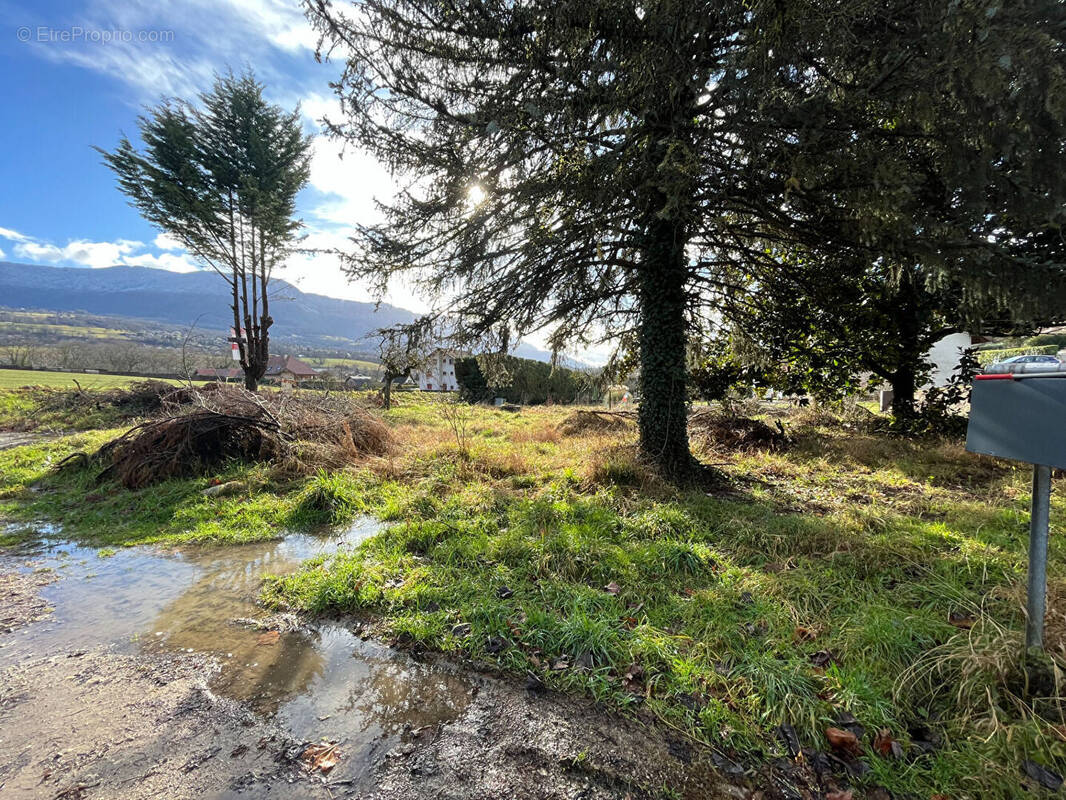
[(102, 725), (20, 601), (515, 743)]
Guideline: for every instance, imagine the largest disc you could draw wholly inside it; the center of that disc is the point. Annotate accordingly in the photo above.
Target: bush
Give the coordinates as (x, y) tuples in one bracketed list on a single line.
[(526, 381), (1044, 339)]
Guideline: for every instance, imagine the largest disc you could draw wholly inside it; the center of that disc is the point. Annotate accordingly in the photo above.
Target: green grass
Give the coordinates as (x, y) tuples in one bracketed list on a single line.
[(831, 579), (15, 378), (354, 364), (861, 547), (172, 512)]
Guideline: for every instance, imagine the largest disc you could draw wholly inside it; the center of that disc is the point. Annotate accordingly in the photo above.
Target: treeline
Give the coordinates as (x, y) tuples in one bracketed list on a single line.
[(482, 379), (112, 356)]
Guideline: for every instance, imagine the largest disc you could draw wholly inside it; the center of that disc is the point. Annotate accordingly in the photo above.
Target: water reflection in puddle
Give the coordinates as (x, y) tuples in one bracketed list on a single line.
[(323, 682)]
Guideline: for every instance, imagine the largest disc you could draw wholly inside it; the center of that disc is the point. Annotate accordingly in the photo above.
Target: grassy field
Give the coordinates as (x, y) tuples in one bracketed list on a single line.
[(16, 378), (845, 573), (353, 365)]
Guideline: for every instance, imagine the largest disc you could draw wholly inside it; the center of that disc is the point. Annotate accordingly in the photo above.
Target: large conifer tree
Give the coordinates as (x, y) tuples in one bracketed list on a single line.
[(597, 165)]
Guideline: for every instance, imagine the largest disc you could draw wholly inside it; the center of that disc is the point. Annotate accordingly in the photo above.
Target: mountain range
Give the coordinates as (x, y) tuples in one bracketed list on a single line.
[(182, 299)]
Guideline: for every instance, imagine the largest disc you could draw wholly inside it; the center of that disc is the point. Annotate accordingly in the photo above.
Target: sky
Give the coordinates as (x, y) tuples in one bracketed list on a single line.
[(78, 73)]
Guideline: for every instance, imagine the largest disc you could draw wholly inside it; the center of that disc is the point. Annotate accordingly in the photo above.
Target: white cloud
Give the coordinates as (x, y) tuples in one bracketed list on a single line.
[(79, 251), (167, 261), (165, 241), (86, 253), (352, 178), (14, 236), (1, 252), (173, 49)]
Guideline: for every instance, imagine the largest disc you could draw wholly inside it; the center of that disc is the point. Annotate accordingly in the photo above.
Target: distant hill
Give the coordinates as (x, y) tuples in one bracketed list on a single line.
[(182, 298), (179, 299)]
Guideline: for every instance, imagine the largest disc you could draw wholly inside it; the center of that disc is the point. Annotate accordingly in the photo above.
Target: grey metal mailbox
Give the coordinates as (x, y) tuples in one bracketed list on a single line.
[(1019, 416), (1022, 416)]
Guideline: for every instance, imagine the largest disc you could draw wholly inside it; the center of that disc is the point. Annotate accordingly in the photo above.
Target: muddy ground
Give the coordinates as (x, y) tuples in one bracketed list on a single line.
[(20, 602), (99, 724)]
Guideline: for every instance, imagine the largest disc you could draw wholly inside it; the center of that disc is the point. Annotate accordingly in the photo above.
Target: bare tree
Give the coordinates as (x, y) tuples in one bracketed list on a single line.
[(402, 350), (19, 355)]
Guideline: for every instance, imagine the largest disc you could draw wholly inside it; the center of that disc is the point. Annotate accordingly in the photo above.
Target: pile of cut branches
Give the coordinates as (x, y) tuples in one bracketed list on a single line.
[(138, 399), (721, 430), (221, 424), (583, 422)]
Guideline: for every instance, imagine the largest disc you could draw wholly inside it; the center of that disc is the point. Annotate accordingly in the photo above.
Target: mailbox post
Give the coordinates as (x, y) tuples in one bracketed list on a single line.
[(1038, 530), (1020, 416)]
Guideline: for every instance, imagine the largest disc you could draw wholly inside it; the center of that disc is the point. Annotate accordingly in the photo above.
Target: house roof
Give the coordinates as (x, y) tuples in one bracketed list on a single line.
[(279, 364), (228, 374)]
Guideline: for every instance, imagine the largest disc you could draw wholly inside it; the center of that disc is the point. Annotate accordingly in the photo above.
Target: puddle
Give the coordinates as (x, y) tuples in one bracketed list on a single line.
[(9, 439), (323, 683)]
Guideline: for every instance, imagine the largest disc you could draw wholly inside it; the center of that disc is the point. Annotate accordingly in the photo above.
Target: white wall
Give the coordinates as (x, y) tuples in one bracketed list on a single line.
[(945, 356)]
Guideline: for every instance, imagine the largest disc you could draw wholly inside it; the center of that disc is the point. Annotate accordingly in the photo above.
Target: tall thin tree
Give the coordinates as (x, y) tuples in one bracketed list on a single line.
[(222, 177)]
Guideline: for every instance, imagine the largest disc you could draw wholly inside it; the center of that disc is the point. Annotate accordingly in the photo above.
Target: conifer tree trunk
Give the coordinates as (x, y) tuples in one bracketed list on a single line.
[(663, 415)]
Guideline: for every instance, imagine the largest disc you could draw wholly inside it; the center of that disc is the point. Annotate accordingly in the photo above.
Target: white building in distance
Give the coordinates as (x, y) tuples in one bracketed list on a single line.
[(438, 372)]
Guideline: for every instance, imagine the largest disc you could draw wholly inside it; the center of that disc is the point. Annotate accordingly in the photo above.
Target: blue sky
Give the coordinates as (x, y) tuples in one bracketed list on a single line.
[(77, 74)]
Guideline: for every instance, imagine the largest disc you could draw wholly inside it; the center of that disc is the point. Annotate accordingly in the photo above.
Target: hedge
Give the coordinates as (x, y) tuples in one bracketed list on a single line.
[(528, 382), (986, 357)]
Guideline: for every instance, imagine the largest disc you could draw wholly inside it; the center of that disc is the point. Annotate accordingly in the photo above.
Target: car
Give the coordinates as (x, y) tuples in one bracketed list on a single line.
[(1031, 363)]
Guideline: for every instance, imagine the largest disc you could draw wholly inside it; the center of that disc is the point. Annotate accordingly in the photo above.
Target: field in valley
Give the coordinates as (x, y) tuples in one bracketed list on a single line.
[(16, 378)]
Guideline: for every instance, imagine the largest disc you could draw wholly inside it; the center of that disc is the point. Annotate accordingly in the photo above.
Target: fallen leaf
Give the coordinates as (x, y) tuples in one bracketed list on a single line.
[(801, 634), (633, 678), (322, 757), (960, 620), (883, 742), (787, 734), (847, 721), (821, 659), (844, 741), (504, 592), (612, 588), (842, 795), (268, 638)]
